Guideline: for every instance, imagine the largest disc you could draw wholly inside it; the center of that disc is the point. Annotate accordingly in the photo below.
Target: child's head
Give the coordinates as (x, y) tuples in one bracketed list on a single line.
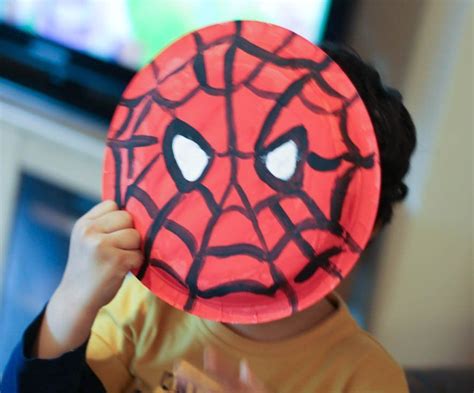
[(250, 164), (394, 128)]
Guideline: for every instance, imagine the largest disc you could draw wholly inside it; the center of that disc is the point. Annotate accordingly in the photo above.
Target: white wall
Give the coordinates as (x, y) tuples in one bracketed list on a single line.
[(423, 310)]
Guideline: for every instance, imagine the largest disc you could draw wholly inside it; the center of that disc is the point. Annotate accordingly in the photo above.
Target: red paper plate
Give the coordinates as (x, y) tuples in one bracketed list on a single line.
[(250, 166)]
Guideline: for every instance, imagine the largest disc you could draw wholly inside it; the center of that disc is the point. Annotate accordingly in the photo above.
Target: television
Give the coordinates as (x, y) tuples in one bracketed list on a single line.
[(84, 52)]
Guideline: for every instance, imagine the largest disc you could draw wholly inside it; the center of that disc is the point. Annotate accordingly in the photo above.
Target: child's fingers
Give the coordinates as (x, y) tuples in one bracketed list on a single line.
[(216, 363), (101, 209), (188, 374), (125, 239), (113, 221), (210, 359), (248, 378), (134, 259)]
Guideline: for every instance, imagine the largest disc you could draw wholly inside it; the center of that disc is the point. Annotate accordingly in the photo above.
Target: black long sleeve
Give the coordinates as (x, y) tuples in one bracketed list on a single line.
[(68, 373)]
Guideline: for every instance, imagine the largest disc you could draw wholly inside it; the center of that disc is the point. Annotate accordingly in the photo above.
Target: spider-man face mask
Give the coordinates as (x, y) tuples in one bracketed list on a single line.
[(250, 166)]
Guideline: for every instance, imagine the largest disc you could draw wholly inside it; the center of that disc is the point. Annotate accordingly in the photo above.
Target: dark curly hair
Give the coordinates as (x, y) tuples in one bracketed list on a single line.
[(394, 128)]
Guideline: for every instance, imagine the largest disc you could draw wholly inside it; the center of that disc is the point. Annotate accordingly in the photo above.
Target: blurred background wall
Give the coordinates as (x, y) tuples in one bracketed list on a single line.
[(423, 308), (421, 304)]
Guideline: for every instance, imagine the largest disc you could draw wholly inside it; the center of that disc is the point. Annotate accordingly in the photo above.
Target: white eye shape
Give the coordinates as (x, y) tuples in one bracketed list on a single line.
[(281, 162), (190, 158)]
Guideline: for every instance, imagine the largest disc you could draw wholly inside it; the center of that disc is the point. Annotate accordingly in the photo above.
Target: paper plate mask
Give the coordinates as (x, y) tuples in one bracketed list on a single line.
[(250, 166)]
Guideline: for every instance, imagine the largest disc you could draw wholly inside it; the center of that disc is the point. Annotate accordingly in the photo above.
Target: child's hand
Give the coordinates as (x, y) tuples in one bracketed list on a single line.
[(103, 248), (218, 376)]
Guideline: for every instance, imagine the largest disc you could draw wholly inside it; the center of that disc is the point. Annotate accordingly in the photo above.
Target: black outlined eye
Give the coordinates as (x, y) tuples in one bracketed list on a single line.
[(190, 158), (280, 164), (187, 154)]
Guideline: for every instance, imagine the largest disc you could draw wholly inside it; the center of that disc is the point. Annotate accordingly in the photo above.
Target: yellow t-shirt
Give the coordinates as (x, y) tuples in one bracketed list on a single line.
[(136, 339)]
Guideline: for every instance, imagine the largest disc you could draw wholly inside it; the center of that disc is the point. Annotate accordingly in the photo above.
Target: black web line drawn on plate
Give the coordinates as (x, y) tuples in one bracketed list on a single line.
[(283, 190)]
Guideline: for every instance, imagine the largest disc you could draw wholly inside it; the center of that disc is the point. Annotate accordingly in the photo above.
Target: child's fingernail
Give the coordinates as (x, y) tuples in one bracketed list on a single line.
[(244, 371)]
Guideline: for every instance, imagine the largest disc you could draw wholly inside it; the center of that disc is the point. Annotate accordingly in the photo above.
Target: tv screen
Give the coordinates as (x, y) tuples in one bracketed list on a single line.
[(85, 51), (131, 32)]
